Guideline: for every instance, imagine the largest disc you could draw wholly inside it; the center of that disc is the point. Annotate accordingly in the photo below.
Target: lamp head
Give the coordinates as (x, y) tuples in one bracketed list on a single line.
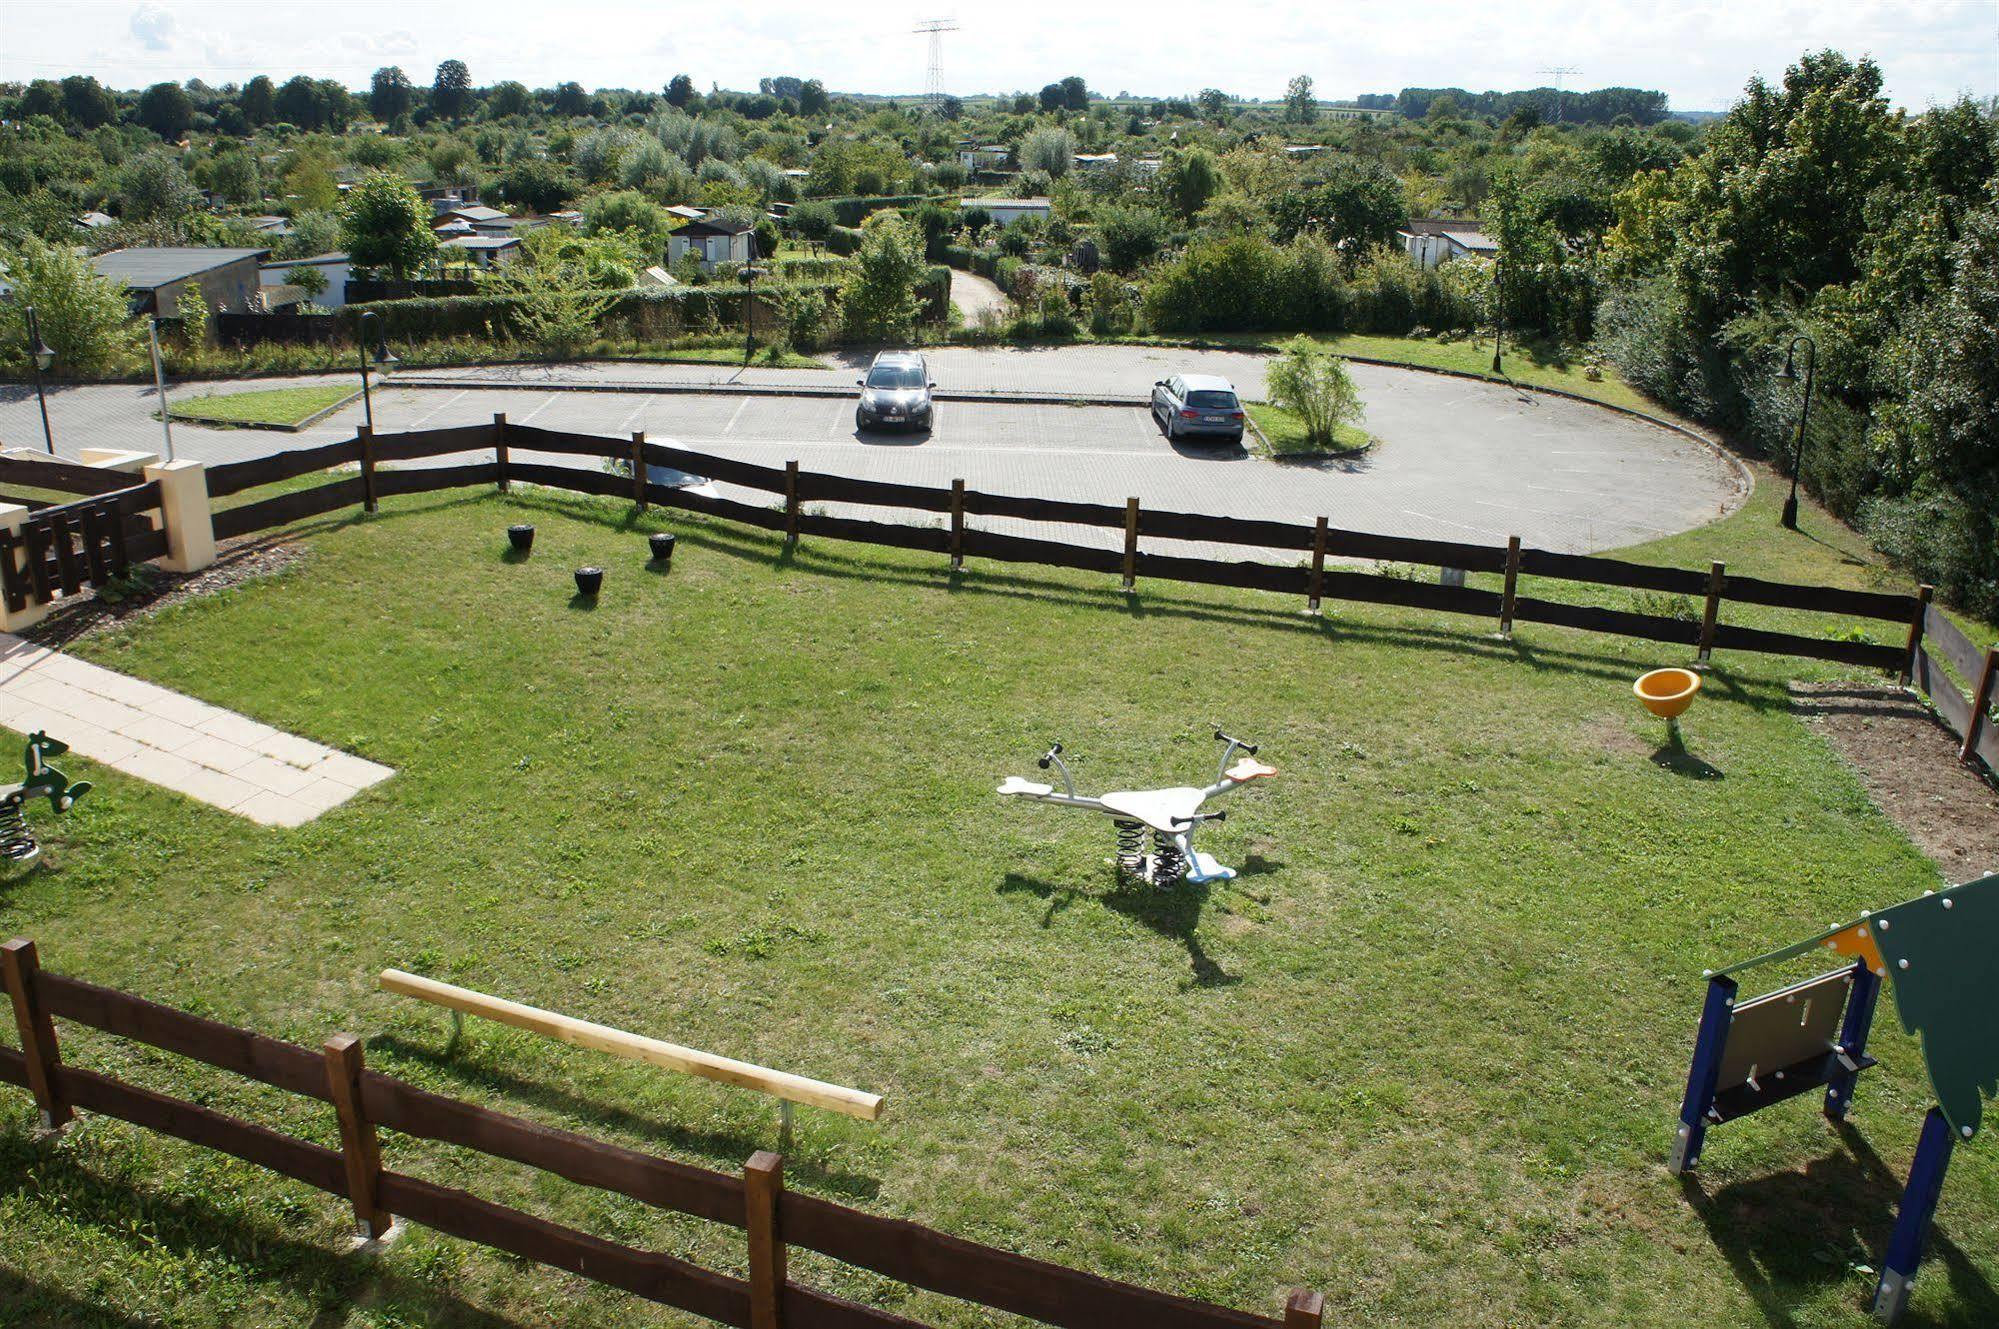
[(385, 359), (1790, 372), (44, 354)]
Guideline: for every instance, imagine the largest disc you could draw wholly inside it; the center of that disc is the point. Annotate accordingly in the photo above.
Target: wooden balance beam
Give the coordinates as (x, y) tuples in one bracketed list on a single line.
[(690, 1061)]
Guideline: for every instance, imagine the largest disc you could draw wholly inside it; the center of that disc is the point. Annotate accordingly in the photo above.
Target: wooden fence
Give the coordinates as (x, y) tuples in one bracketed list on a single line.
[(62, 546), (367, 1103), (1309, 576)]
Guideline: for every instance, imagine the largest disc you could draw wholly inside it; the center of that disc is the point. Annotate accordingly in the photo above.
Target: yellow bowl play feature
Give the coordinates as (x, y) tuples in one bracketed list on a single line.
[(1667, 692)]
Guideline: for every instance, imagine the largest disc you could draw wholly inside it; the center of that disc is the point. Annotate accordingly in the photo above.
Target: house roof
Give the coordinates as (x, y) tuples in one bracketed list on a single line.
[(707, 227), (690, 213), (1034, 203), (148, 269), (1439, 225), (476, 212), (1478, 240), (316, 261), (93, 220), (494, 242)]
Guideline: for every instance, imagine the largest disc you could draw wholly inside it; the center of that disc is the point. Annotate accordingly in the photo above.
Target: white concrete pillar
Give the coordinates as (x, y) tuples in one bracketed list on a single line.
[(11, 517), (117, 459), (184, 506)]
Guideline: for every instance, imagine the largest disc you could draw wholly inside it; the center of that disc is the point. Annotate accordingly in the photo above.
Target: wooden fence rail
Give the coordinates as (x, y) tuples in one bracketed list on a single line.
[(1702, 627), (367, 1102)]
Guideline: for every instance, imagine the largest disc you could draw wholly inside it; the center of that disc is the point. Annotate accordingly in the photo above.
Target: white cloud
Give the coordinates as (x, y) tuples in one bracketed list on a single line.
[(154, 27)]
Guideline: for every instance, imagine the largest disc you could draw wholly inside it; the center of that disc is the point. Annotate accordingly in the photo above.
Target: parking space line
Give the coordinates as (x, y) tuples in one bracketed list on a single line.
[(730, 427), (448, 403), (539, 409)]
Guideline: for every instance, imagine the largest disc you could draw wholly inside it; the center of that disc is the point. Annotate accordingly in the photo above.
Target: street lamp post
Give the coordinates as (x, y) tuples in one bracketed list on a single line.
[(1790, 375), (749, 274), (1498, 314), (160, 384), (385, 360), (41, 356)]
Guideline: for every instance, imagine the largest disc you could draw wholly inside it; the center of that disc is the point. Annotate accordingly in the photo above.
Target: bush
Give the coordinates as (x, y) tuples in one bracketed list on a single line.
[(82, 315), (1312, 383)]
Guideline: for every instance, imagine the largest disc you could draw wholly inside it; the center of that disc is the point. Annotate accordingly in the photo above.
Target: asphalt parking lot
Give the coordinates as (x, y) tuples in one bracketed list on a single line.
[(1457, 460)]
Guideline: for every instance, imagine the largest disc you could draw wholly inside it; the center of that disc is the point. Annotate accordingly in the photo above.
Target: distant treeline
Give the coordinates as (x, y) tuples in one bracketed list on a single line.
[(1600, 107)]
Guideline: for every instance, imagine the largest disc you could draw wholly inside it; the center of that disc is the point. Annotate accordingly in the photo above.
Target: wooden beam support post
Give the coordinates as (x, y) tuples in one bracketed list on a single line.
[(1923, 595), (1304, 1310), (1318, 582), (1981, 702), (639, 468), (1717, 574), (366, 437), (1511, 596), (500, 446), (358, 1147), (763, 1184), (36, 1031), (957, 526), (791, 502), (1130, 545)]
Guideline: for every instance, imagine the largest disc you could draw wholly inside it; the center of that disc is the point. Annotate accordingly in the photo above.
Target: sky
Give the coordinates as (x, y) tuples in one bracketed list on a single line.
[(1699, 52)]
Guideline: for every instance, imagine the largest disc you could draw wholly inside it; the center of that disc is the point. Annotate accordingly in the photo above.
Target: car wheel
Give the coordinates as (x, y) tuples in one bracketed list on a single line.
[(860, 422), (1172, 431)]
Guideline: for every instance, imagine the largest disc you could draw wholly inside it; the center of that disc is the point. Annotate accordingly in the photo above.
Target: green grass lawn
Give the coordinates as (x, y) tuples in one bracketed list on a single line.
[(267, 408), (1285, 432), (1425, 1054)]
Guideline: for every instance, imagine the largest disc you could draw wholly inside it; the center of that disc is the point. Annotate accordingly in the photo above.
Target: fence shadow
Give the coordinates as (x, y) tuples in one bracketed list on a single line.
[(188, 1225), (1794, 1233), (725, 1148)]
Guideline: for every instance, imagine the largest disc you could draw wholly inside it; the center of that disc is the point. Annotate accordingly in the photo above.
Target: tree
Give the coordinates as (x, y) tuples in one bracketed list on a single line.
[(308, 279), (557, 299), (390, 95), (1075, 94), (386, 224), (813, 220), (1299, 104), (42, 97), (309, 179), (812, 98), (191, 308), (165, 109), (1214, 104), (538, 185), (952, 108), (571, 100), (451, 90), (1190, 179), (680, 91), (88, 103), (259, 101), (1129, 236), (299, 103), (1050, 150), (1360, 203), (1312, 383), (235, 176), (628, 212), (880, 298), (83, 315), (1051, 97), (508, 98), (153, 187)]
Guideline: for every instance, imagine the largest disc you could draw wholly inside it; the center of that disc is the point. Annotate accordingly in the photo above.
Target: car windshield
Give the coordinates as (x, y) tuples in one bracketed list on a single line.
[(1211, 401), (895, 378)]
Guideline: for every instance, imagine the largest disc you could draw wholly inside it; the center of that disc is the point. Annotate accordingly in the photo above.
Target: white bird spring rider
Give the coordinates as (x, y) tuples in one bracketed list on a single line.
[(1172, 815)]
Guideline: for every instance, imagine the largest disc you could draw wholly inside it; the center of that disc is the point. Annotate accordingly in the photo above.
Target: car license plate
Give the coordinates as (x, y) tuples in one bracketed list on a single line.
[(893, 419), (1218, 419)]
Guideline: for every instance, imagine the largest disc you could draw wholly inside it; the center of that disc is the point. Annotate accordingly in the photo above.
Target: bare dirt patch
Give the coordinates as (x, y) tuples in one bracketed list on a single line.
[(1908, 761), (236, 562)]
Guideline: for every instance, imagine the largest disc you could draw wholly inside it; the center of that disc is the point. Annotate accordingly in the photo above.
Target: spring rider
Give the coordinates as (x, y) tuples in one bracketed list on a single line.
[(17, 845)]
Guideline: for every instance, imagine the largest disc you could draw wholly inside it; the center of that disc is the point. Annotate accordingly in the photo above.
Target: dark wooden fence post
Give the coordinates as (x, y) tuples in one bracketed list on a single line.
[(500, 446), (1717, 573), (366, 437), (1130, 544), (1511, 596), (639, 468), (791, 502), (957, 526), (37, 1032), (1318, 583), (763, 1183), (358, 1148), (1981, 701), (1923, 594), (1304, 1310)]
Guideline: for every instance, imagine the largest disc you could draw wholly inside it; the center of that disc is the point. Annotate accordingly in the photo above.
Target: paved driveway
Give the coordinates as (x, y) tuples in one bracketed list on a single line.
[(1459, 459)]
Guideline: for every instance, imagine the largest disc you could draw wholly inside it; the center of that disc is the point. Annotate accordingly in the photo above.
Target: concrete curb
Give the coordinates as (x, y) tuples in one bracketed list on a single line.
[(202, 422), (764, 390)]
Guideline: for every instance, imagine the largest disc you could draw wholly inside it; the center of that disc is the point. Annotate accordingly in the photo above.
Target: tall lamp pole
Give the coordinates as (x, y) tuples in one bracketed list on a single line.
[(1498, 314), (749, 274), (385, 360), (41, 356), (1790, 375)]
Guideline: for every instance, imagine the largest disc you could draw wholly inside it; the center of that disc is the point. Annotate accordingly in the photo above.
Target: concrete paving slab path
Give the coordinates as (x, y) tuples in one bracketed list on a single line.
[(204, 752)]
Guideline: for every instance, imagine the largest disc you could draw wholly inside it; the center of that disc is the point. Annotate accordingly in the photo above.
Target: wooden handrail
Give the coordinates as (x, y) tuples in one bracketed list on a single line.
[(637, 1047)]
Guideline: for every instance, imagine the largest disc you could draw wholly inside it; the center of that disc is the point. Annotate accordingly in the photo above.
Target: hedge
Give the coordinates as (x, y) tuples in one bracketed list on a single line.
[(853, 209)]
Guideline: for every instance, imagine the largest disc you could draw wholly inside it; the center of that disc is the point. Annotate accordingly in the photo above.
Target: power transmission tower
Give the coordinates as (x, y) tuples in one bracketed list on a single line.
[(1559, 72), (933, 88)]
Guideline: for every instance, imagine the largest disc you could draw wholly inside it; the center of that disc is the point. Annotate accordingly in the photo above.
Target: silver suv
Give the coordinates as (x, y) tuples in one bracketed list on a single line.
[(895, 393), (1203, 404)]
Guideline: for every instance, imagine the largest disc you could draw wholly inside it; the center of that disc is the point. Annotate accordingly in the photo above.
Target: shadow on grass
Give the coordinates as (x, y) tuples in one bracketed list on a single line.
[(1674, 756), (1792, 1233), (1173, 912), (726, 1148), (151, 1221)]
